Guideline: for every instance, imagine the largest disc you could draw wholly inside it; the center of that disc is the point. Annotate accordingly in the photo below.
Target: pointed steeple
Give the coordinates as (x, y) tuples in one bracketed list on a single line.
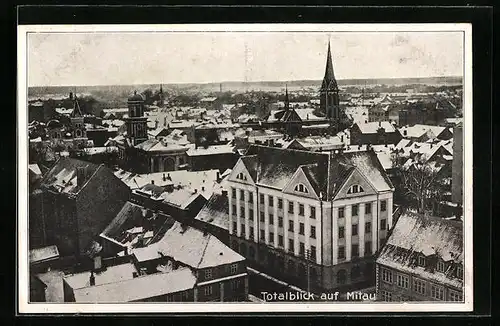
[(77, 112), (329, 81), (287, 100)]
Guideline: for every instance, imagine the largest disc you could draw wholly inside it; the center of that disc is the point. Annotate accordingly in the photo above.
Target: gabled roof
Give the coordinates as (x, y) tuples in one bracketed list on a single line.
[(373, 127), (415, 234), (63, 178), (190, 246), (216, 211), (275, 167)]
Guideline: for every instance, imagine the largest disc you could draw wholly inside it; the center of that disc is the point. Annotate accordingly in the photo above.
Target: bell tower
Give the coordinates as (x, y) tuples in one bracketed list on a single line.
[(136, 122), (329, 92), (77, 120)]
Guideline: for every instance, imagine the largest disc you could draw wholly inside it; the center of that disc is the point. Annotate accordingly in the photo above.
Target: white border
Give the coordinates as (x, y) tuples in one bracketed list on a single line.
[(23, 279)]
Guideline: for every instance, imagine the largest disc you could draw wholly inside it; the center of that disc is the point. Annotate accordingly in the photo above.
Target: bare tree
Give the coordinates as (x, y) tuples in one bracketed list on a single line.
[(419, 182)]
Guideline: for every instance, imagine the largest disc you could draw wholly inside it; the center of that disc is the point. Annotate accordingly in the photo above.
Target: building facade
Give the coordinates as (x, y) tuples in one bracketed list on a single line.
[(310, 217), (422, 260)]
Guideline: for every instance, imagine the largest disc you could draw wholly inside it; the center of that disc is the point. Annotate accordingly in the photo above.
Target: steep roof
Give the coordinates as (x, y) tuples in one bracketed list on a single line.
[(190, 246), (275, 167), (415, 234), (63, 178), (216, 211), (329, 81)]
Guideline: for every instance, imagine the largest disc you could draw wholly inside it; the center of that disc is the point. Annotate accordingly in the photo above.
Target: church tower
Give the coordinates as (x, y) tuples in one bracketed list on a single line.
[(136, 122), (77, 120), (161, 102), (329, 92)]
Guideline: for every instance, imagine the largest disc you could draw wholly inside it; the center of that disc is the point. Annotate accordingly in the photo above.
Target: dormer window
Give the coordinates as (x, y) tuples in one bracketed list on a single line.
[(441, 266), (301, 188), (421, 261), (460, 272), (241, 176), (355, 189)]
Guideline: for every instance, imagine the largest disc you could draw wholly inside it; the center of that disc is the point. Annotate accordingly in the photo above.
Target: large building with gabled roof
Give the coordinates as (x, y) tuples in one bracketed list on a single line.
[(290, 209)]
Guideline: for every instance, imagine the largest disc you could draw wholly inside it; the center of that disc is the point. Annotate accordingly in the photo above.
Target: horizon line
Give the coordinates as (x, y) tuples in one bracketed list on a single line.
[(244, 82)]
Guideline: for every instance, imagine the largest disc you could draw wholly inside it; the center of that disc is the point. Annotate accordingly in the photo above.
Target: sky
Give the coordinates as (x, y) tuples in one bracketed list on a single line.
[(125, 58)]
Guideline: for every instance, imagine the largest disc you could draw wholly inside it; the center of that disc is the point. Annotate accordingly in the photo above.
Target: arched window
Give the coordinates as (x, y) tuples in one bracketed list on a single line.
[(301, 188), (341, 276), (241, 176), (78, 133), (354, 189)]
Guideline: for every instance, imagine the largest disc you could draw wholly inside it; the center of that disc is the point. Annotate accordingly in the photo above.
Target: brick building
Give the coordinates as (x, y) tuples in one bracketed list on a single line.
[(422, 260), (374, 133), (290, 210)]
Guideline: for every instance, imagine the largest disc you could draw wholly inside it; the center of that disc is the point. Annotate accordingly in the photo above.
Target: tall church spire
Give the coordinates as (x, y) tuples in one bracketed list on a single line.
[(329, 81), (287, 100)]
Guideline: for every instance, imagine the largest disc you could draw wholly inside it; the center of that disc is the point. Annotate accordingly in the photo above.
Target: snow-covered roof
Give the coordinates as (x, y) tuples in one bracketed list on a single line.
[(373, 127)]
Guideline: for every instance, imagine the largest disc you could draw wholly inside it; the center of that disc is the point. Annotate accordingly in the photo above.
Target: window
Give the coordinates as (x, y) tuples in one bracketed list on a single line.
[(252, 233), (250, 214), (312, 253), (313, 212), (437, 292), (383, 205), (341, 212), (262, 235), (421, 261), (233, 193), (341, 276), (313, 232), (234, 268), (235, 226), (280, 240), (418, 286), (280, 203), (250, 197), (242, 194), (241, 176), (262, 217), (460, 272), (290, 225), (234, 209), (290, 207), (355, 250), (302, 249), (271, 237), (242, 211), (290, 245), (368, 208), (301, 188), (368, 248), (386, 275), (280, 221), (341, 254), (262, 198), (355, 189), (301, 209), (383, 224), (441, 266), (386, 296), (341, 232), (301, 228), (354, 229), (208, 274), (455, 296), (208, 290), (235, 284), (402, 281), (368, 227), (355, 209), (271, 219), (242, 230)]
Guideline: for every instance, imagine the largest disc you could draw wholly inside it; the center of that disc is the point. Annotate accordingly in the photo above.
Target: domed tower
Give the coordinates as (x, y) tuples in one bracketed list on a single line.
[(329, 92), (136, 122)]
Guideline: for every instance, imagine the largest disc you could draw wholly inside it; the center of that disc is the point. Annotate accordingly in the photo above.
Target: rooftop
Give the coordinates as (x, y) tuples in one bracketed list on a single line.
[(190, 246), (418, 130), (111, 274), (43, 254), (210, 150), (216, 211), (373, 127), (415, 235)]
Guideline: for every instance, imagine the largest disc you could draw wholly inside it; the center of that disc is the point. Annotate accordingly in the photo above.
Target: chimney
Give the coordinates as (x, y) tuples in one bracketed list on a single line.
[(195, 190), (342, 138), (405, 132), (71, 95), (380, 123), (168, 177), (224, 192), (81, 175), (203, 188), (97, 262), (92, 278), (218, 177), (152, 182), (164, 177), (134, 274)]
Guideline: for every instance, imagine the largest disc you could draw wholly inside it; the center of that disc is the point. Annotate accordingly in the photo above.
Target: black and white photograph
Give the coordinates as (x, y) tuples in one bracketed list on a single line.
[(247, 167)]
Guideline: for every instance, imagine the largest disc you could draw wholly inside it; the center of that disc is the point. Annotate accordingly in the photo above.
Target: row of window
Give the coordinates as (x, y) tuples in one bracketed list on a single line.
[(355, 250), (235, 284), (208, 273), (312, 228), (419, 286), (441, 266), (355, 227), (291, 206)]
